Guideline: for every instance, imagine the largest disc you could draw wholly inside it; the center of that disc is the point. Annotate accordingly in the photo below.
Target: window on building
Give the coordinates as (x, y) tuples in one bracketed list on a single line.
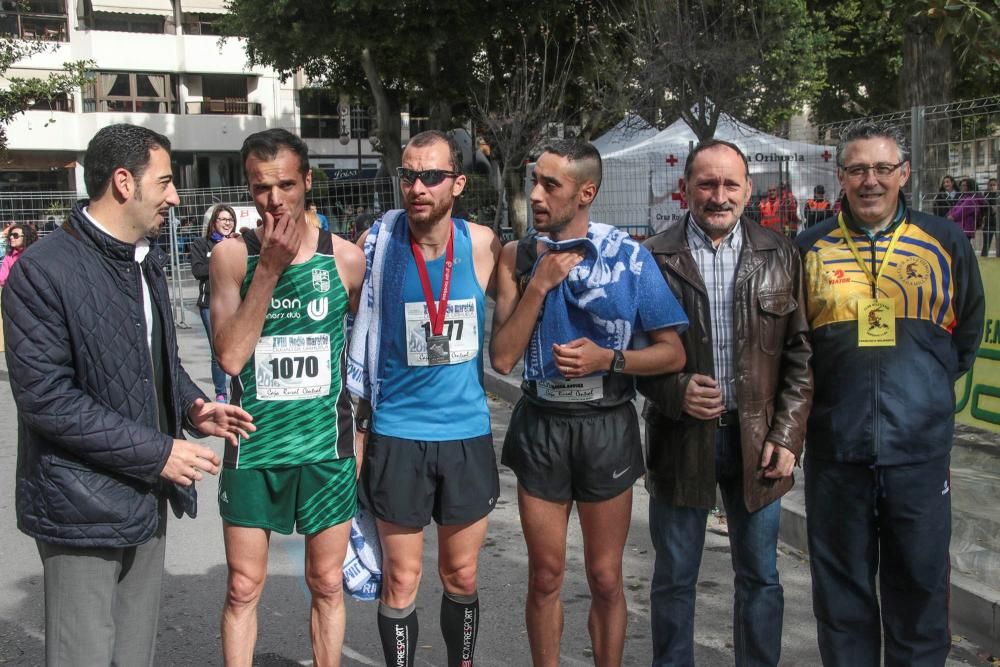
[(203, 24), (131, 92), (419, 117), (116, 22), (318, 114), (55, 103), (34, 19), (224, 94)]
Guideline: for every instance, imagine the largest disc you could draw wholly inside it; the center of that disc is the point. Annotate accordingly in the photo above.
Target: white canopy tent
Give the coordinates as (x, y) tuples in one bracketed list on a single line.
[(630, 130), (641, 183)]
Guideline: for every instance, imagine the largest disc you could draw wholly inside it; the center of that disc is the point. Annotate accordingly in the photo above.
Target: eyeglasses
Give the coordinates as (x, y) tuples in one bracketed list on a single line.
[(15, 235), (881, 169), (429, 177), (221, 219)]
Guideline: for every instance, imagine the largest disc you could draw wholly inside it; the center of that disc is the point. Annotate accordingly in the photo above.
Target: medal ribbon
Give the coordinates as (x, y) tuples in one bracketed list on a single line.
[(435, 312), (873, 279)]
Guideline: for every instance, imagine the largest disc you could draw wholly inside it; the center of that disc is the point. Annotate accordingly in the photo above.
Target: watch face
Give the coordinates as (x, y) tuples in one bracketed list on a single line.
[(619, 364)]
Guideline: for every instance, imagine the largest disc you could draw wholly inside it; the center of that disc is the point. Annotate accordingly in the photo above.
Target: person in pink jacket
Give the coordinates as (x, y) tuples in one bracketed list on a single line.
[(968, 209), (19, 237)]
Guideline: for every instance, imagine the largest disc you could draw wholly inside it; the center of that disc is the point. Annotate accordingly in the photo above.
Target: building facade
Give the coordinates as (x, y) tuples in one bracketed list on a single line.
[(162, 64)]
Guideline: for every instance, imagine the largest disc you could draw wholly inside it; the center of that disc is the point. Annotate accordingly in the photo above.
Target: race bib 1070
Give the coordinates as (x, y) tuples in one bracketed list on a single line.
[(292, 368)]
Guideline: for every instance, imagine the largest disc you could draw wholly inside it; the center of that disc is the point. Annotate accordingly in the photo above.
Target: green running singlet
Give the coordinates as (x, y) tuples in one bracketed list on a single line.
[(293, 383)]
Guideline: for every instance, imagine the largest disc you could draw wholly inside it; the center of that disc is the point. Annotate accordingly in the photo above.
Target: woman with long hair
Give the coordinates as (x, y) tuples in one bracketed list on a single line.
[(968, 208), (221, 225), (946, 196), (19, 237)]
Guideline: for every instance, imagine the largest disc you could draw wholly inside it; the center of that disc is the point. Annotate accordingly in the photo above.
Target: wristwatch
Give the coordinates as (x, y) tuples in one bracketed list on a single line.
[(618, 362)]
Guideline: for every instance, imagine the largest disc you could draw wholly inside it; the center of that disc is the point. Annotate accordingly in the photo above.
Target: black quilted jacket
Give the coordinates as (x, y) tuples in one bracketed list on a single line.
[(89, 448)]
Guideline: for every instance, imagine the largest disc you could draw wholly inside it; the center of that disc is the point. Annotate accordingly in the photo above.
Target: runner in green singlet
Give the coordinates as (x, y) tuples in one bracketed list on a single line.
[(280, 295)]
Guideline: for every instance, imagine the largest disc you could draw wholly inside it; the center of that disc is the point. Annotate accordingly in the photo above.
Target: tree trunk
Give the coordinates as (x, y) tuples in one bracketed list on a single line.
[(517, 201), (928, 78), (389, 120), (496, 180), (928, 74)]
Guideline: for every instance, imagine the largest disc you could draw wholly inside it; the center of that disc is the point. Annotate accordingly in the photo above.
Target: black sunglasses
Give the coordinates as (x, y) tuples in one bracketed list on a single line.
[(14, 236), (429, 177)]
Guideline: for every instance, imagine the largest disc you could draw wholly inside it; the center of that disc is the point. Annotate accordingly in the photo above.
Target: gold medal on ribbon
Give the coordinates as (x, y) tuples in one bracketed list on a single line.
[(876, 323)]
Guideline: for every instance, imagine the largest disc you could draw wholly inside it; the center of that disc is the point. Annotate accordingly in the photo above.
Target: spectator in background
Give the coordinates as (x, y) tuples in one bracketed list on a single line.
[(19, 237), (967, 209), (770, 209), (3, 237), (817, 208), (362, 222), (221, 226), (946, 196), (789, 211), (324, 223), (836, 204), (991, 217)]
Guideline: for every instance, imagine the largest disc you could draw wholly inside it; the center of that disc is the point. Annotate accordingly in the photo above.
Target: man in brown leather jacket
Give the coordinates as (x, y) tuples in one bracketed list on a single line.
[(734, 416)]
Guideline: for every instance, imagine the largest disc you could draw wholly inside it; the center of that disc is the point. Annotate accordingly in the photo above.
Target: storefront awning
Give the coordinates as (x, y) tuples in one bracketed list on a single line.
[(204, 6), (154, 7)]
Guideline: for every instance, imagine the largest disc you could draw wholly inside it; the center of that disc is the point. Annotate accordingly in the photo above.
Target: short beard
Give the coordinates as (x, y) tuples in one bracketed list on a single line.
[(438, 212)]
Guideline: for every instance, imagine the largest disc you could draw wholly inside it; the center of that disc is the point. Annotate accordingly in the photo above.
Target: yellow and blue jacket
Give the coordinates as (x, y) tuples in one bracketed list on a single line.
[(890, 405)]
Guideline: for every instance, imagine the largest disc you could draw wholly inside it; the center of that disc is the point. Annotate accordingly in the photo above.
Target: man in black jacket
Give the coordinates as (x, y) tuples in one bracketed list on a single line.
[(101, 399)]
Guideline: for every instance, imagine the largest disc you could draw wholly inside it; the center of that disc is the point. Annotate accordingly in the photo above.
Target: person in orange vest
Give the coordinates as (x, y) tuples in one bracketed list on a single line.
[(770, 210), (817, 208), (788, 211)]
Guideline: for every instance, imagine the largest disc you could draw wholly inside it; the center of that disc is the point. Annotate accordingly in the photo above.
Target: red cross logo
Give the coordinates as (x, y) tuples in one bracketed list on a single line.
[(679, 194), (826, 156), (671, 160)]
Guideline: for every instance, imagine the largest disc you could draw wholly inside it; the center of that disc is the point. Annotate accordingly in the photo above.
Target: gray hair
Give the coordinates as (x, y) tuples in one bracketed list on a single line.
[(870, 129)]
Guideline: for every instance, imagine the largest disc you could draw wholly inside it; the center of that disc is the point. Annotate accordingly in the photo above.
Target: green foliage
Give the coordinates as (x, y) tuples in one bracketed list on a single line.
[(972, 25), (758, 61), (865, 59), (866, 63), (23, 93)]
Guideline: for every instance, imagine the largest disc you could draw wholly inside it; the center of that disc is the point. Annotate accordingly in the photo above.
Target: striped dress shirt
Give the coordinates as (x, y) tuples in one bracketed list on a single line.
[(717, 266)]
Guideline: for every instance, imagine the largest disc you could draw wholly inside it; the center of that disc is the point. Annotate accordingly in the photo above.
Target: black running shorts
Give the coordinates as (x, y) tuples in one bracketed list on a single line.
[(409, 482), (562, 455)]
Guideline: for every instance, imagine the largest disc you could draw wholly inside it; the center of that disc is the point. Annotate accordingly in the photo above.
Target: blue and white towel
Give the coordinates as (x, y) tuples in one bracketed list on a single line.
[(387, 251), (363, 561), (613, 296)]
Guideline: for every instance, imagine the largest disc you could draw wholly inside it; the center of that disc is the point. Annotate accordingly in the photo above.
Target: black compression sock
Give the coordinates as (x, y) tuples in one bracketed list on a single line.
[(398, 630), (460, 626)]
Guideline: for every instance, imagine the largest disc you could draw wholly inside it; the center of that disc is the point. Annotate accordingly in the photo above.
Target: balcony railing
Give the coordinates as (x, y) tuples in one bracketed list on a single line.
[(231, 106)]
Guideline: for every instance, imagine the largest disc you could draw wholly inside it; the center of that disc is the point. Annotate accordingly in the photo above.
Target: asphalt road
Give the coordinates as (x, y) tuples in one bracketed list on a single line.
[(194, 583)]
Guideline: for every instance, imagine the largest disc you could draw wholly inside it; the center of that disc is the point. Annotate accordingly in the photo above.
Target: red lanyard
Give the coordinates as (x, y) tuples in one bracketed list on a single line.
[(435, 313)]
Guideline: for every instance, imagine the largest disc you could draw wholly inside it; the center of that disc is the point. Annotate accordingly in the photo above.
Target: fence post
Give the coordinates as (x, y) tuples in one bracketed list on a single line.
[(175, 272), (917, 143)]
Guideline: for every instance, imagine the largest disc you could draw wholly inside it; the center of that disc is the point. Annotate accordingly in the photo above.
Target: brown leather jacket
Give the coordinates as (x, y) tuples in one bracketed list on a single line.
[(774, 384)]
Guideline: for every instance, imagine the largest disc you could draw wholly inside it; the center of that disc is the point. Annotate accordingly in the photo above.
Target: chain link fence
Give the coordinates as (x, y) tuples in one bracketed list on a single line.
[(342, 201), (960, 142)]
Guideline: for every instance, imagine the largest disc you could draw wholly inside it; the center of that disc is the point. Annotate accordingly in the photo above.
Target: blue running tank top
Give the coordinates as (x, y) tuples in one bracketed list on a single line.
[(446, 402)]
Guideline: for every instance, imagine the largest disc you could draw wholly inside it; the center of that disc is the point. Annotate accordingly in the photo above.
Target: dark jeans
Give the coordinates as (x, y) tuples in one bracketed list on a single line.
[(890, 521), (218, 375), (989, 232), (679, 537)]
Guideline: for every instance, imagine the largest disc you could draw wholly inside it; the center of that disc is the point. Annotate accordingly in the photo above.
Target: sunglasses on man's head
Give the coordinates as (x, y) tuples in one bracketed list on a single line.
[(429, 177)]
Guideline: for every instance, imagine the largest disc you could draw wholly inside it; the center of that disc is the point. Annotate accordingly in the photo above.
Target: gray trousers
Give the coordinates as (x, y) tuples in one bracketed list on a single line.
[(102, 605)]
